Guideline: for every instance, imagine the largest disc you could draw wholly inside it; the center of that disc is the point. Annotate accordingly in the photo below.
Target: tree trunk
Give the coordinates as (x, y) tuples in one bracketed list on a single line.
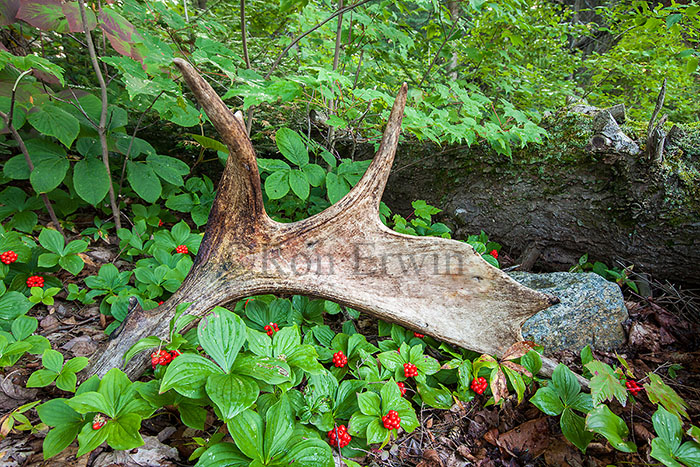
[(573, 195)]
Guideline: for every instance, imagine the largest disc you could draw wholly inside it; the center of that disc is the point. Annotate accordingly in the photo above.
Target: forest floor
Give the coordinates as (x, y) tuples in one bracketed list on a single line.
[(662, 338)]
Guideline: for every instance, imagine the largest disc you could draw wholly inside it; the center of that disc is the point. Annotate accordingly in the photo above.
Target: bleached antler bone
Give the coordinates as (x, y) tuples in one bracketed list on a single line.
[(345, 254)]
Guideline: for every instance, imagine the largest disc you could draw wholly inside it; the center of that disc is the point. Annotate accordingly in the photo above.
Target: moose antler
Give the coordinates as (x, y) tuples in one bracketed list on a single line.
[(345, 254)]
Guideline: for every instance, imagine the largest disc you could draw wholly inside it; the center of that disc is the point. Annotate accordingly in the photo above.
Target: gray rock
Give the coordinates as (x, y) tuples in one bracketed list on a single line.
[(591, 311)]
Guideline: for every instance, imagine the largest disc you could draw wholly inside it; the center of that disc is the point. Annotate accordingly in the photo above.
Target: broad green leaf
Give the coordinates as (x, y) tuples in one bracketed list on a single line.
[(390, 394), (376, 433), (151, 342), (357, 426), (426, 364), (689, 454), (601, 420), (565, 383), (90, 401), (277, 184), (337, 187), (144, 181), (52, 360), (247, 432), (42, 14), (547, 400), (41, 378), (223, 455), (279, 426), (59, 438), (51, 120), (57, 412), (168, 168), (67, 381), (123, 432), (90, 180), (299, 183), (52, 240), (292, 146), (266, 369), (89, 439), (188, 374), (668, 426), (574, 429), (49, 173), (76, 364), (232, 394), (314, 174), (222, 334), (72, 263), (604, 384), (309, 453), (370, 403)]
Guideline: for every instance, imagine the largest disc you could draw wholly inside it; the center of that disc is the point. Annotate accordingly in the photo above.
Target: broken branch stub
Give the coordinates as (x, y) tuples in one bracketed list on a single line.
[(438, 286)]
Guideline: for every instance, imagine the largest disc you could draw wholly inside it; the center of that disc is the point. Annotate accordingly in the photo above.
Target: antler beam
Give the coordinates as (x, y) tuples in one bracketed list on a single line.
[(438, 286)]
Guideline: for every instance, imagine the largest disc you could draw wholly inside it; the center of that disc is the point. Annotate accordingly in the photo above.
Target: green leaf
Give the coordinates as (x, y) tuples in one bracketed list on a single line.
[(439, 398), (59, 438), (601, 420), (668, 426), (547, 400), (426, 364), (279, 427), (376, 433), (292, 146), (51, 120), (689, 454), (48, 260), (223, 455), (299, 184), (49, 173), (660, 393), (41, 378), (89, 439), (357, 426), (370, 403), (277, 184), (574, 429), (661, 451), (123, 432), (232, 394), (314, 174), (168, 168), (247, 432), (144, 181), (52, 360), (151, 342), (76, 364), (67, 381), (309, 453), (604, 384), (565, 383), (57, 412), (337, 187), (90, 180), (188, 374), (72, 263), (266, 369), (90, 401), (52, 240), (222, 334)]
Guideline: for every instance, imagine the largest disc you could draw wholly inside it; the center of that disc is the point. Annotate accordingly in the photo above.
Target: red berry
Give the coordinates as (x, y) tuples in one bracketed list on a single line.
[(479, 385), (182, 249), (391, 420), (415, 334), (174, 354), (160, 223), (160, 302), (8, 257), (35, 281), (160, 357), (402, 388), (633, 387), (339, 360), (494, 253), (341, 439), (98, 422), (409, 370)]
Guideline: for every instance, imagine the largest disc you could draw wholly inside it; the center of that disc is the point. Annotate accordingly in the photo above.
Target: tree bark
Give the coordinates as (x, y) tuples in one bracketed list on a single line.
[(567, 199)]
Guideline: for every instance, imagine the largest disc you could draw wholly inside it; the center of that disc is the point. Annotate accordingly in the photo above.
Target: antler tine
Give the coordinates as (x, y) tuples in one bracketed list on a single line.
[(371, 185), (240, 212)]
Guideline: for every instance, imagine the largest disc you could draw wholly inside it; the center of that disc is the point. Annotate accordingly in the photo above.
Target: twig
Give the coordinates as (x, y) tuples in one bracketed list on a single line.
[(659, 104), (303, 35), (101, 129), (447, 38), (249, 114)]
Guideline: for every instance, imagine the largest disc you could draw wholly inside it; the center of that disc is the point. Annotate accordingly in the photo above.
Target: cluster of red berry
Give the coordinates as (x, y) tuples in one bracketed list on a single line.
[(339, 359), (163, 357), (391, 421), (633, 387), (494, 253), (415, 334), (8, 257), (409, 370), (160, 223), (479, 385), (182, 249), (35, 281), (342, 439), (402, 388), (98, 422), (271, 328)]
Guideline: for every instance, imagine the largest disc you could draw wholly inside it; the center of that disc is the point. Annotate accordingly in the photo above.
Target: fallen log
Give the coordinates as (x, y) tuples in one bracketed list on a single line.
[(433, 285)]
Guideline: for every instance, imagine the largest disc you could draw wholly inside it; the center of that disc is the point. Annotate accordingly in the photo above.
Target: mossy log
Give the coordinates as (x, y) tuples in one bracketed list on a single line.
[(572, 195)]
